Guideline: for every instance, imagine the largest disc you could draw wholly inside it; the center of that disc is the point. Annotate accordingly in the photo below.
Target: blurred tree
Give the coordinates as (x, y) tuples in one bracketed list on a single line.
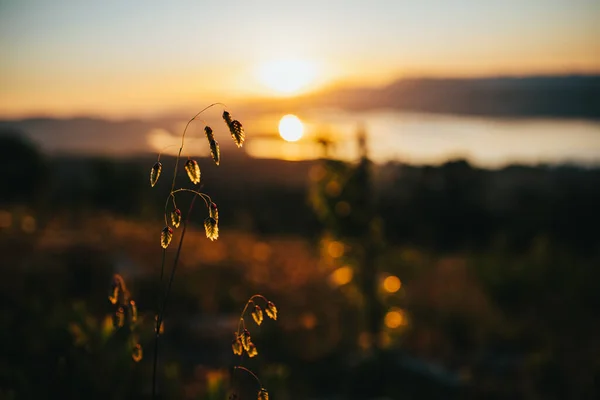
[(24, 169), (343, 197)]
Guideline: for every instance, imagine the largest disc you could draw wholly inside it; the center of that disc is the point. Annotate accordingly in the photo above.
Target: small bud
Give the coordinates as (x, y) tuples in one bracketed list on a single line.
[(211, 228), (193, 171), (133, 311), (176, 218), (245, 339), (263, 394), (214, 151), (213, 211), (165, 237), (155, 173), (257, 314), (252, 352), (237, 347), (137, 353), (271, 310)]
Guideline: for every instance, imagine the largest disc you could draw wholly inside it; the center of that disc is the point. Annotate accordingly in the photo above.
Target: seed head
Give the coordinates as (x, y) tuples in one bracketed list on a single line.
[(271, 310), (252, 352), (214, 211), (257, 314), (113, 296), (237, 133), (119, 318), (155, 173), (209, 133), (237, 347), (263, 394), (246, 339), (165, 237), (212, 228), (137, 353), (193, 171), (133, 314), (176, 218), (235, 128), (214, 151)]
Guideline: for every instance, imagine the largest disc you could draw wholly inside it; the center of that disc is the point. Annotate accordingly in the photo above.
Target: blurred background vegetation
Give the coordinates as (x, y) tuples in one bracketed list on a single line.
[(392, 280)]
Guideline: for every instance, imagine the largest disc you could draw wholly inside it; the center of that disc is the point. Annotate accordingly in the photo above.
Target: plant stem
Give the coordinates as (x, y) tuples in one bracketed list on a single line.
[(161, 314)]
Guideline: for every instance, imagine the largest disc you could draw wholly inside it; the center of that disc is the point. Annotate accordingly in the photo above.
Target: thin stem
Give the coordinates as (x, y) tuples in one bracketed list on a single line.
[(202, 195), (251, 373), (172, 277), (160, 317), (250, 301), (183, 140), (155, 358)]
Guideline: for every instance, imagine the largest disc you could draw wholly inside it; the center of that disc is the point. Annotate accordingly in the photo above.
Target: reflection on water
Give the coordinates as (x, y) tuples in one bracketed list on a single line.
[(433, 139)]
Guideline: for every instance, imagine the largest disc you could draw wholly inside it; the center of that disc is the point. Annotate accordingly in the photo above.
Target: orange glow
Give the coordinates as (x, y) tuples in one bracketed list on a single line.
[(392, 284), (341, 276), (395, 319), (335, 249)]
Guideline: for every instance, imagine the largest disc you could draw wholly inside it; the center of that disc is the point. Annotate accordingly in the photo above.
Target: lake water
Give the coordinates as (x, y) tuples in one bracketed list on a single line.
[(433, 139)]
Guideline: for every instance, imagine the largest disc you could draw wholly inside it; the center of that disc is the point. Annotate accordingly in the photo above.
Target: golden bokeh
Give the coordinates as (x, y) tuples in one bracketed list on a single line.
[(392, 284), (341, 276), (395, 318)]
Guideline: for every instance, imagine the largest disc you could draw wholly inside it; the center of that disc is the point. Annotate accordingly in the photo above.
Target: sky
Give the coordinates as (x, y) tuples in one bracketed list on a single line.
[(135, 58)]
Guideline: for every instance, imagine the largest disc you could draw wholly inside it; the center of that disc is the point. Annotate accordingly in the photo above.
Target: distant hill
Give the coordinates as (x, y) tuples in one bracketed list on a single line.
[(534, 96)]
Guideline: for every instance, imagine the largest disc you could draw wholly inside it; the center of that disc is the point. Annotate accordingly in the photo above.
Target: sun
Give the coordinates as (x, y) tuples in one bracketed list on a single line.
[(287, 76), (291, 128)]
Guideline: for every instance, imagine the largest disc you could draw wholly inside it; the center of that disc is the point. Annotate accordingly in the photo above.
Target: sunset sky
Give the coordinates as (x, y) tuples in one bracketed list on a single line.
[(128, 58)]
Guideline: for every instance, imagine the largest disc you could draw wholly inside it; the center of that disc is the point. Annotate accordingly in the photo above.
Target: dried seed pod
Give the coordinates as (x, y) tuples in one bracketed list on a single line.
[(137, 353), (213, 211), (237, 347), (214, 151), (211, 228), (257, 314), (271, 310), (176, 218), (245, 339), (133, 314), (252, 351), (155, 173), (227, 118), (165, 237), (263, 394), (193, 171)]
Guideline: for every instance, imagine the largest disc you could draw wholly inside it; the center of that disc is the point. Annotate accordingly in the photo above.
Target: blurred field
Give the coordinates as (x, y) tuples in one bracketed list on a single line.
[(479, 295)]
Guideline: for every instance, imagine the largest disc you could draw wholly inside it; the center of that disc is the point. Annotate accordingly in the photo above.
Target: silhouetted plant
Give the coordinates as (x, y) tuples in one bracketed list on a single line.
[(243, 341)]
